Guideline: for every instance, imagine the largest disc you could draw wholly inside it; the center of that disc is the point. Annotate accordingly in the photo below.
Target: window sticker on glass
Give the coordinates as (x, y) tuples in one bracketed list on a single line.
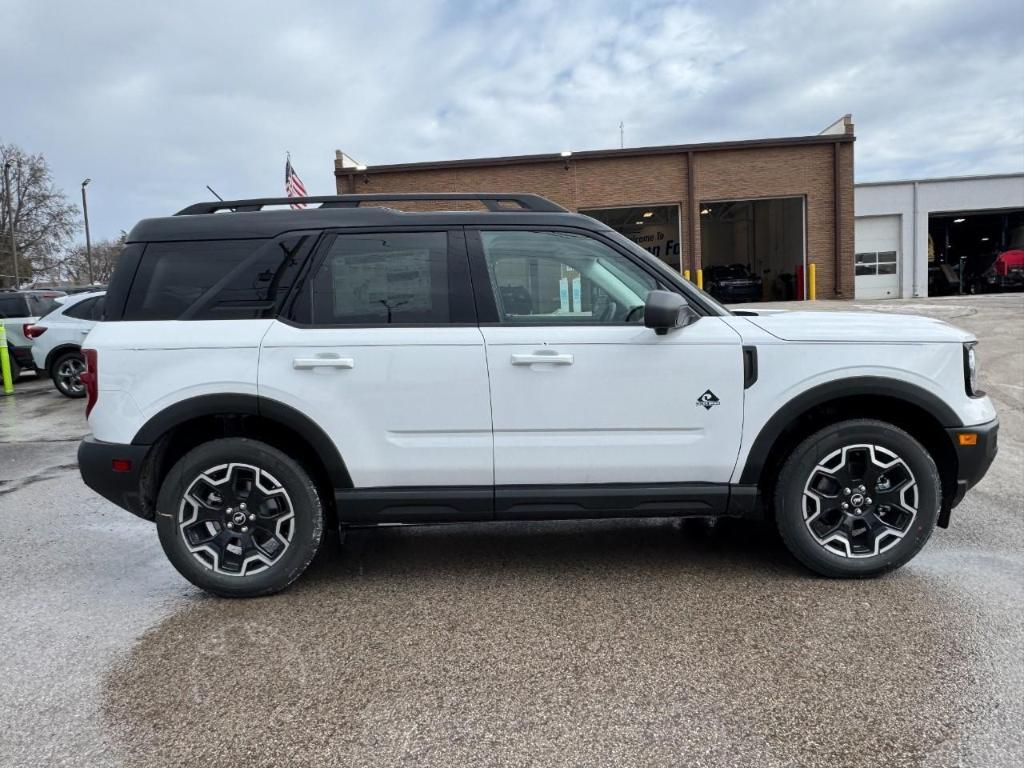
[(372, 279)]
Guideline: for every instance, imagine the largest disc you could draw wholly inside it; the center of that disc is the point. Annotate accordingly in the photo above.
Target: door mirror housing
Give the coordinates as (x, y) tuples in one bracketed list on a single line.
[(665, 311)]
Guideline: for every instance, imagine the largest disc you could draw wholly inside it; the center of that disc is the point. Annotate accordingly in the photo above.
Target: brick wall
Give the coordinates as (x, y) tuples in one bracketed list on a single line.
[(803, 171)]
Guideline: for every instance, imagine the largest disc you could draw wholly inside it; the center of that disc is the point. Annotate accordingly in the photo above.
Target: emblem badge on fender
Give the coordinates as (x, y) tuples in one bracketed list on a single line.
[(708, 400)]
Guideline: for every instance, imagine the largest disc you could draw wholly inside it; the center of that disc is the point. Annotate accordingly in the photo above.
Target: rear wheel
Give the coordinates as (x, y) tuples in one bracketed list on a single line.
[(856, 499), (67, 373), (239, 518)]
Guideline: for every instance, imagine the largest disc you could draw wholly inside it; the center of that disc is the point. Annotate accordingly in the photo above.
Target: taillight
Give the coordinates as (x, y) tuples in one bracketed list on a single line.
[(33, 331), (91, 379)]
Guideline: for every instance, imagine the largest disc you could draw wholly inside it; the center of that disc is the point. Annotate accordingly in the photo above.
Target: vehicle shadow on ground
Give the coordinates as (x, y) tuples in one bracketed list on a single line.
[(640, 642)]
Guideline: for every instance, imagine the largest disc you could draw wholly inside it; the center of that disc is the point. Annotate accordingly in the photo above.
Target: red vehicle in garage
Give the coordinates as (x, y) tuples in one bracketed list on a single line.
[(1006, 273)]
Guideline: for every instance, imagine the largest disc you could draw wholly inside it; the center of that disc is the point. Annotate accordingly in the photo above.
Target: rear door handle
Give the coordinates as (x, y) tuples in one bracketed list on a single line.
[(551, 358), (306, 363)]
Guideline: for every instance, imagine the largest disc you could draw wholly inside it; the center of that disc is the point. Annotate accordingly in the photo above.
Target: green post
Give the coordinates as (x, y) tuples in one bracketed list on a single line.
[(5, 362)]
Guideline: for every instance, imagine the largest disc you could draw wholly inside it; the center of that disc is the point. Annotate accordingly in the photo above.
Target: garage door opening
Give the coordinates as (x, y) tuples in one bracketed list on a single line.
[(975, 252), (753, 250), (653, 227)]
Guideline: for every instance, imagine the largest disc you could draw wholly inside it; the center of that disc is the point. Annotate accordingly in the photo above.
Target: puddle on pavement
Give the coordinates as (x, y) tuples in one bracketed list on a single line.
[(551, 644)]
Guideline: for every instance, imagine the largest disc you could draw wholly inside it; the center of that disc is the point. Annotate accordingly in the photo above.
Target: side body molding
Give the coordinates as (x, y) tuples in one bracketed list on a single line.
[(249, 405), (855, 386)]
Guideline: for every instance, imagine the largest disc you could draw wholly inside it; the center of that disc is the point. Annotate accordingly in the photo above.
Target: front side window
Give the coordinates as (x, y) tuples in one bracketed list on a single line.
[(563, 278), (384, 279)]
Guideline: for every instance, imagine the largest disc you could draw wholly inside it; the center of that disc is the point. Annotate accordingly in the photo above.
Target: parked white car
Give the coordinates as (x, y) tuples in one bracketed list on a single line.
[(57, 340), (261, 375), (18, 310)]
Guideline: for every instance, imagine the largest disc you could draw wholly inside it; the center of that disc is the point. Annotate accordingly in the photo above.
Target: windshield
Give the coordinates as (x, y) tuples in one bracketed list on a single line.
[(668, 274)]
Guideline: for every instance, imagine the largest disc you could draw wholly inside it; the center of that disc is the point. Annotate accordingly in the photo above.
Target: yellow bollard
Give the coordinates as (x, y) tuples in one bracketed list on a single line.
[(5, 362), (686, 275), (812, 275), (700, 279)]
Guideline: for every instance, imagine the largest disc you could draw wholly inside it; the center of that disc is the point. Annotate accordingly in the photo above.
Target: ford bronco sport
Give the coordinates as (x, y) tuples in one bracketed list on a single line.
[(262, 374)]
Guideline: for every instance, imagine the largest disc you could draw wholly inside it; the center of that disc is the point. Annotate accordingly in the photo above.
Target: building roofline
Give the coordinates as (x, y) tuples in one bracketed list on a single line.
[(596, 154), (937, 179)]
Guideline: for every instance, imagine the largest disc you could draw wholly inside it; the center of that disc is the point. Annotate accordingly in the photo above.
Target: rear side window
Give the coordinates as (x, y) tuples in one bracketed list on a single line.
[(13, 305), (385, 279), (171, 276), (83, 310)]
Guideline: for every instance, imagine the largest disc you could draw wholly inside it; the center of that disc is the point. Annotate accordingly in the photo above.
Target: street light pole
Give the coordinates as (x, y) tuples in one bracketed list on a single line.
[(88, 242), (10, 223)]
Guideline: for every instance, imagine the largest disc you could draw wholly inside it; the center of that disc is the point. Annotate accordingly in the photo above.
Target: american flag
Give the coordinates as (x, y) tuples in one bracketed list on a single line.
[(293, 186)]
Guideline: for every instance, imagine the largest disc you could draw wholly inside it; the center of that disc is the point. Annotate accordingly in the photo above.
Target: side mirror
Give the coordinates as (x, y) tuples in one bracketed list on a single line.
[(665, 311)]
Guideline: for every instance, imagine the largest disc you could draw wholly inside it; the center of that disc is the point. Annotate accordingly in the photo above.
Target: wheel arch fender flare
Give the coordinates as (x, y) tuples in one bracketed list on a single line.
[(53, 354), (284, 415), (856, 386)]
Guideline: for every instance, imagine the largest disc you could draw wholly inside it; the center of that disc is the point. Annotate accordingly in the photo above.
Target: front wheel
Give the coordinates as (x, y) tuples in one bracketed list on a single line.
[(857, 499), (239, 518)]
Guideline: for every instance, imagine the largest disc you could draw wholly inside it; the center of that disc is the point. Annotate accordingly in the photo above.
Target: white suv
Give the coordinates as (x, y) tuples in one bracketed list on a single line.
[(57, 340), (263, 373)]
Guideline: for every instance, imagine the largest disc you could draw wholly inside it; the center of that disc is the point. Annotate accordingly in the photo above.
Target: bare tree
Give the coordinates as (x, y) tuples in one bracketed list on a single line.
[(73, 267), (43, 219)]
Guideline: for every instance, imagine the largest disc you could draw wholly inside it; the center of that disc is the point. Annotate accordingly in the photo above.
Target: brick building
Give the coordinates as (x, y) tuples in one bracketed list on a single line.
[(765, 207)]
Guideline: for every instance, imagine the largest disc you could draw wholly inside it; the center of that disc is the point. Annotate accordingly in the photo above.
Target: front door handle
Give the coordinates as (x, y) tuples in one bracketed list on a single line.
[(551, 358), (307, 363)]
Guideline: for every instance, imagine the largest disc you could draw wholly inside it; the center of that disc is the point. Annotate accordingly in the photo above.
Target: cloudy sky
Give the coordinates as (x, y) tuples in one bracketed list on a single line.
[(155, 100)]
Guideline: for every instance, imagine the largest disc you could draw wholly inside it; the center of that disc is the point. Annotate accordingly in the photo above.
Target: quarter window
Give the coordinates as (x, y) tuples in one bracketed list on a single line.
[(563, 278), (385, 279), (171, 276)]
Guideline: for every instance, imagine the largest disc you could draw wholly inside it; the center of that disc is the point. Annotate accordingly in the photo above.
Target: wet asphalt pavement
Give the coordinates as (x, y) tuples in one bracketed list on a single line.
[(635, 643)]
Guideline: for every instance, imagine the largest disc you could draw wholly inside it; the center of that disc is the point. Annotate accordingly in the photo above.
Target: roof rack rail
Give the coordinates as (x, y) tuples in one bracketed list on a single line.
[(495, 201)]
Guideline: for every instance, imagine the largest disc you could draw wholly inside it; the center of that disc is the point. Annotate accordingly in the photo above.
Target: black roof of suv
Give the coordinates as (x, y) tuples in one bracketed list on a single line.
[(248, 219), (219, 246)]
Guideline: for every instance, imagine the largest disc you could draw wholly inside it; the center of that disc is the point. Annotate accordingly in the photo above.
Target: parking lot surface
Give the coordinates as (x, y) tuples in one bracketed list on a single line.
[(624, 642)]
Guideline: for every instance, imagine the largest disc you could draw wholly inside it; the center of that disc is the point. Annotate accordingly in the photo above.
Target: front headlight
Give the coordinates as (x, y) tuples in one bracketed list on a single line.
[(971, 369)]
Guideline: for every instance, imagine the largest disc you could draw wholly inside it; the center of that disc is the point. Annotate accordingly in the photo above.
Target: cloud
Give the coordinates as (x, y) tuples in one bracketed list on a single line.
[(154, 101)]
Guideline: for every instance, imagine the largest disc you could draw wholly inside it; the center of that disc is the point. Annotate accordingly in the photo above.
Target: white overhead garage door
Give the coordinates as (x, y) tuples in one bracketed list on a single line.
[(877, 246)]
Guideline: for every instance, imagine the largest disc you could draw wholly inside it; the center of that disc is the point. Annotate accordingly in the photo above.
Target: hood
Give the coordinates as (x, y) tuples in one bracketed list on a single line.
[(857, 326)]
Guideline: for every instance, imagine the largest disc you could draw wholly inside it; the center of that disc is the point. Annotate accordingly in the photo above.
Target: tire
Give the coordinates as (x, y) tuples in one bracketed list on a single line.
[(66, 373), (218, 551), (14, 367), (883, 526)]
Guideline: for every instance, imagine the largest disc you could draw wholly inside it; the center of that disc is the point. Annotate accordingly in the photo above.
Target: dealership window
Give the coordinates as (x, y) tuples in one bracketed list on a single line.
[(880, 263), (653, 227), (760, 241)]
